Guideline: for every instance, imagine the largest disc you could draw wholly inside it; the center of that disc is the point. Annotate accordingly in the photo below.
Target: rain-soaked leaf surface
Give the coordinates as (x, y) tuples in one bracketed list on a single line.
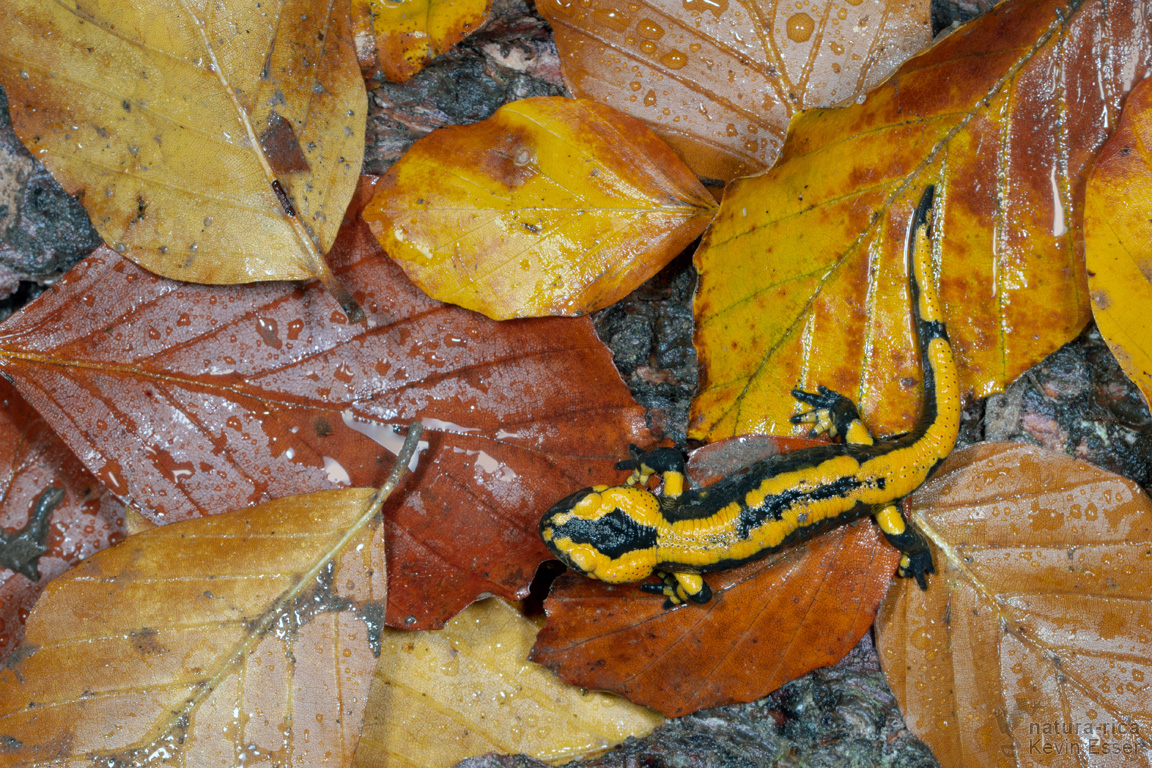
[(398, 37), (552, 206), (442, 696), (231, 639), (186, 400), (85, 520), (802, 271), (768, 622), (720, 79), (1118, 239), (173, 122), (1032, 644)]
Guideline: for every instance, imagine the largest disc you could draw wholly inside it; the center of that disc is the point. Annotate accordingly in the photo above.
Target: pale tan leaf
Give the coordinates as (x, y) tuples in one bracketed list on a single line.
[(1033, 643), (172, 121), (720, 79), (228, 639), (441, 696)]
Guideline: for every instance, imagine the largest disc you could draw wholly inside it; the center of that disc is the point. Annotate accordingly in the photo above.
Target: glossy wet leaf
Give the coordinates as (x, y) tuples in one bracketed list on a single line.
[(232, 637), (468, 689), (187, 399), (802, 272), (552, 206), (173, 121), (86, 520), (1032, 642), (768, 622), (1118, 239), (720, 79), (398, 37)]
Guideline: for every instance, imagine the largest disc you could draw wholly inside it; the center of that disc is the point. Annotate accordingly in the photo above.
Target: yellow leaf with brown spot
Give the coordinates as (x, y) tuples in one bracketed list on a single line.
[(213, 143), (551, 206), (441, 696), (720, 79), (397, 38), (247, 635), (1031, 645), (1118, 239), (802, 275)]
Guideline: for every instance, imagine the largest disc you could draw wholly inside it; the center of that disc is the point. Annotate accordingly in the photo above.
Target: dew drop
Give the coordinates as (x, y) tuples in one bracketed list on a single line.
[(836, 48), (650, 99), (800, 27), (648, 47), (650, 29), (674, 59)]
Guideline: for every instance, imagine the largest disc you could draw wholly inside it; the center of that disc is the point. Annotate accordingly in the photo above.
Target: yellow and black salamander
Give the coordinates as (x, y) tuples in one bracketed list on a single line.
[(626, 533)]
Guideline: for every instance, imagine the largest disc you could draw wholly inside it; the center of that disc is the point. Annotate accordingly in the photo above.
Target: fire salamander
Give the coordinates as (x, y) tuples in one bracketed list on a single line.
[(626, 533)]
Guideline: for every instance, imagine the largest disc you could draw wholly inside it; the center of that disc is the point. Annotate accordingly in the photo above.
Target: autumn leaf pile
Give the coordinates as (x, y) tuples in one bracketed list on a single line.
[(240, 569)]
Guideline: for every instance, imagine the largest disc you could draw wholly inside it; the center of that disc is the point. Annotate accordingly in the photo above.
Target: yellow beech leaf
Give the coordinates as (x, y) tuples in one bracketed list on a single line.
[(398, 37), (1033, 643), (441, 696), (551, 206), (720, 79), (221, 640), (802, 277), (1118, 239), (210, 142)]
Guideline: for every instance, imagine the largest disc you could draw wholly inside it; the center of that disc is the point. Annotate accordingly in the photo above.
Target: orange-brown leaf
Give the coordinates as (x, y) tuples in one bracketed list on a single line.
[(1032, 642), (768, 623), (396, 39), (190, 399), (719, 80), (551, 206), (86, 520), (220, 635), (802, 271), (173, 121), (1118, 239)]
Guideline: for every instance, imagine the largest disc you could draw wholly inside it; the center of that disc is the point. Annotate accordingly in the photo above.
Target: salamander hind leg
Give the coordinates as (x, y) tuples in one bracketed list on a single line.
[(916, 557), (832, 414), (679, 588)]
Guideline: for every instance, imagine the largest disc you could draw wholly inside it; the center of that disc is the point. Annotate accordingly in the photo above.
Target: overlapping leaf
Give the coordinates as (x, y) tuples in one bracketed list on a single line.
[(1118, 239), (720, 80), (188, 399), (220, 636), (173, 122), (1032, 644), (552, 206), (397, 39), (768, 622), (440, 697), (802, 271), (86, 520)]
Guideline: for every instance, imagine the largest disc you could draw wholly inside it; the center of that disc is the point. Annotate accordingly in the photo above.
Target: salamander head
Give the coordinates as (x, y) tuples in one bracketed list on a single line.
[(605, 533)]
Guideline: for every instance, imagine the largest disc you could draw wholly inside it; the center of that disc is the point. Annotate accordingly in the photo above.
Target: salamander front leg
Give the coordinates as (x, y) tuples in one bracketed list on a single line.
[(832, 414), (679, 588), (669, 462), (916, 557)]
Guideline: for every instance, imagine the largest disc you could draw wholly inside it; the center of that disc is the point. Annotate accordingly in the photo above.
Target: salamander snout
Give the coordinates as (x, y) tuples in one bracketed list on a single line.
[(606, 533)]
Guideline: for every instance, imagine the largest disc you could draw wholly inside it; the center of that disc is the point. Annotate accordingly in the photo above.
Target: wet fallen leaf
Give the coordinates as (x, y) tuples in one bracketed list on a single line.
[(174, 123), (720, 80), (398, 37), (1032, 645), (1117, 235), (248, 634), (802, 272), (86, 520), (768, 622), (187, 399), (552, 206), (440, 697)]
